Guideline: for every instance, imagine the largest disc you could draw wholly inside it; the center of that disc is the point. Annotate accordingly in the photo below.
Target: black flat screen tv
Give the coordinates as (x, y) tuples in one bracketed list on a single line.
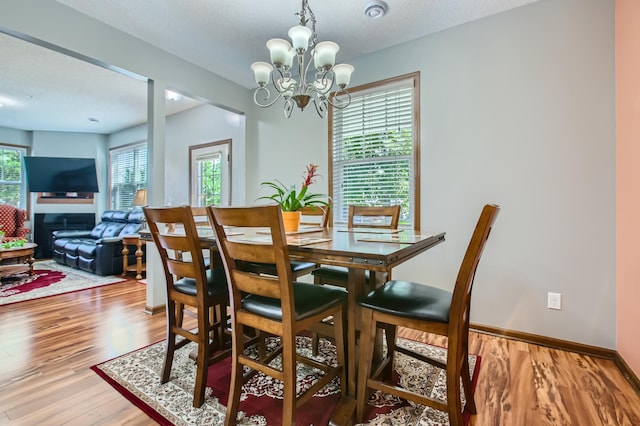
[(61, 176)]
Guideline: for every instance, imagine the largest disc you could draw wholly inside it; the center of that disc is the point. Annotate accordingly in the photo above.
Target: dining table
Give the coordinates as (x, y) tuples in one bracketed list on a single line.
[(363, 251)]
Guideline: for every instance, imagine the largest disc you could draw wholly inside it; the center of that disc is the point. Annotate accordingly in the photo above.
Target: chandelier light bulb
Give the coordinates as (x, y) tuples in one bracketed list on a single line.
[(300, 36), (343, 74), (324, 55), (279, 49), (262, 71)]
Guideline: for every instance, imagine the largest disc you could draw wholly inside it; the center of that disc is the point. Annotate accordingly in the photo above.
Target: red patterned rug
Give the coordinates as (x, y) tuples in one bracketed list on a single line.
[(48, 279), (136, 375)]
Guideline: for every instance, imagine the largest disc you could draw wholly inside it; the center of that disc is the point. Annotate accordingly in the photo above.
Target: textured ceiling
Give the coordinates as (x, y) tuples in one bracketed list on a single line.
[(222, 36)]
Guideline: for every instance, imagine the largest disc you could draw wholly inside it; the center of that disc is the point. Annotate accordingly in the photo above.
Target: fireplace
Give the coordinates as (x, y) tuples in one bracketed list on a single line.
[(46, 223)]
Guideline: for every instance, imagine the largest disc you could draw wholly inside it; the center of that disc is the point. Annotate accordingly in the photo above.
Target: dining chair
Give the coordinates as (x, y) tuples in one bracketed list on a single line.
[(383, 217), (273, 304), (315, 216), (189, 283), (431, 310)]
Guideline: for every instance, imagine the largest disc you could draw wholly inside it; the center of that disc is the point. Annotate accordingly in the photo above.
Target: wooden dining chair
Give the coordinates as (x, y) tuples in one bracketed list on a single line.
[(384, 217), (273, 304), (189, 283), (431, 310), (311, 216)]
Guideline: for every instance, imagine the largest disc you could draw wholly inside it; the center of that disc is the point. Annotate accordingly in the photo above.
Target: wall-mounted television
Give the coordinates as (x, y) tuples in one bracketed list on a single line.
[(61, 176)]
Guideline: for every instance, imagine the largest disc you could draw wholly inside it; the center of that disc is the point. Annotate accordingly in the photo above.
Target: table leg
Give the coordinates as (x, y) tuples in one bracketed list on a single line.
[(125, 257), (30, 262), (139, 254), (357, 287)]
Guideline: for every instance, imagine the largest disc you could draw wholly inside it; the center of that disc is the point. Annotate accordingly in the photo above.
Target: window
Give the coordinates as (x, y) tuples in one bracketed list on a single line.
[(209, 174), (128, 166), (374, 149), (13, 188)]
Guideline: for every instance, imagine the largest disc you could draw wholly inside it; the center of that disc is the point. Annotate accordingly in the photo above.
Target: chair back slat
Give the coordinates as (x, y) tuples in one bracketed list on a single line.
[(315, 216), (251, 252), (262, 285), (386, 217)]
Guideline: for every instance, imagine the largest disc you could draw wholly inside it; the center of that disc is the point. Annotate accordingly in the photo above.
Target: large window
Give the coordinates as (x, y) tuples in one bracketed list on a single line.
[(13, 188), (210, 176), (128, 166), (374, 149)]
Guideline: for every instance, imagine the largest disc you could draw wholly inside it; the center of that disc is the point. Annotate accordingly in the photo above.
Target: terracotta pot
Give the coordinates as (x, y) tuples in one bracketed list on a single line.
[(291, 220)]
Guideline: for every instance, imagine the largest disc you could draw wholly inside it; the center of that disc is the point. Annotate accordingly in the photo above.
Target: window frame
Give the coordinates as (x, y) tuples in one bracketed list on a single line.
[(139, 184), (24, 193), (380, 86)]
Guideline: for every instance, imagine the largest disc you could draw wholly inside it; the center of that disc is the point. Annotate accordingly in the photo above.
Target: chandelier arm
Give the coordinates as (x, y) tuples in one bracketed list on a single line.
[(322, 77), (266, 98), (321, 106), (343, 104), (282, 77), (288, 107)]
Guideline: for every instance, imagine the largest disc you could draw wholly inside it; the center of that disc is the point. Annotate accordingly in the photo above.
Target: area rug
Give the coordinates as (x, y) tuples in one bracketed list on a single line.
[(49, 279), (136, 375)]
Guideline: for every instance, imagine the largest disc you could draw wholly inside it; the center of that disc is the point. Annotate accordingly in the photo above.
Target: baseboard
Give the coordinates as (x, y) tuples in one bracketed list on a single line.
[(566, 345), (154, 310), (627, 372)]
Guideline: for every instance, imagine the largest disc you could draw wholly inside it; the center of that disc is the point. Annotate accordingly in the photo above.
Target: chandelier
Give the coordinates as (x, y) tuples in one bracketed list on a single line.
[(326, 75)]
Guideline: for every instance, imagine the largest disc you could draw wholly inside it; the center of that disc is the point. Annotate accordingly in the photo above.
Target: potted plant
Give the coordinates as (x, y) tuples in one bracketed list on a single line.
[(291, 200)]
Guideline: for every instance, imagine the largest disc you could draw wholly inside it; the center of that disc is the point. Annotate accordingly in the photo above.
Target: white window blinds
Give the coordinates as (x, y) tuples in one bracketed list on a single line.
[(128, 168), (373, 151)]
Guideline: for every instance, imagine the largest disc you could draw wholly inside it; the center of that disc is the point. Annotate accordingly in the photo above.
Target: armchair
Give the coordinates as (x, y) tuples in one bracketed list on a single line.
[(12, 222)]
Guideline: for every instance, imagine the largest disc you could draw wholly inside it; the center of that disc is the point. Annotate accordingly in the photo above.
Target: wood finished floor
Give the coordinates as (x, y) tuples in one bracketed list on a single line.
[(48, 345)]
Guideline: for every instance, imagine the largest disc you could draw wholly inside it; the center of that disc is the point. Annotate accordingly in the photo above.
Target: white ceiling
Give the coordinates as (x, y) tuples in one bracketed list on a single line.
[(222, 36)]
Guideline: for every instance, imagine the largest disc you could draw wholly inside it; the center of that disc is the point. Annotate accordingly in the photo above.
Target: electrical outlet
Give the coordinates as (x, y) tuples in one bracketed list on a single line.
[(554, 300)]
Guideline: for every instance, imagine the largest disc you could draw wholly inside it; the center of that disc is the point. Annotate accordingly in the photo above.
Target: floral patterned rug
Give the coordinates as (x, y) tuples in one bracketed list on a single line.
[(49, 279), (137, 376)]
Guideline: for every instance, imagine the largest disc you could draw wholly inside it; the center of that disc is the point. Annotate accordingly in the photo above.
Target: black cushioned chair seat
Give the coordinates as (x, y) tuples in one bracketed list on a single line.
[(334, 273), (216, 284), (309, 300), (410, 300)]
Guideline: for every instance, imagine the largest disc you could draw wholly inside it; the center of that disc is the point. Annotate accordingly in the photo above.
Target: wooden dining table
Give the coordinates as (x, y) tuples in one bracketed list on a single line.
[(360, 250)]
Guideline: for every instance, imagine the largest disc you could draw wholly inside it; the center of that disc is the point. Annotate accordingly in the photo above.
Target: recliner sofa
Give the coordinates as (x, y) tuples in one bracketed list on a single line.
[(99, 250)]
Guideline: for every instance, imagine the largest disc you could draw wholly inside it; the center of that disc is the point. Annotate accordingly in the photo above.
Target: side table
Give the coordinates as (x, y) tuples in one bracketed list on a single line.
[(132, 240)]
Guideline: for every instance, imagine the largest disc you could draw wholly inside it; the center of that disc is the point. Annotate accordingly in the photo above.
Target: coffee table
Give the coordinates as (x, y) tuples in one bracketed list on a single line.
[(23, 257)]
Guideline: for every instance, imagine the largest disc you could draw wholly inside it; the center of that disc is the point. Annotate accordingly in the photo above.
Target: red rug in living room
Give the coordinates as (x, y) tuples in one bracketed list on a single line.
[(136, 375), (49, 279)]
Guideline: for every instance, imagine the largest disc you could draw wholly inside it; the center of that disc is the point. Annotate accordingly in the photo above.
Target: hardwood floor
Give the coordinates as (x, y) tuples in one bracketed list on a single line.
[(48, 345)]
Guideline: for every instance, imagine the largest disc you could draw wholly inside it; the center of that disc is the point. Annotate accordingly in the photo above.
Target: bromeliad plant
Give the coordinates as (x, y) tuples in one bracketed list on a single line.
[(289, 198)]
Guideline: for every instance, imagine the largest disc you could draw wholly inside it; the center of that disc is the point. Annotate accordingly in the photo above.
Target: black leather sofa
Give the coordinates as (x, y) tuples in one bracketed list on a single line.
[(99, 250)]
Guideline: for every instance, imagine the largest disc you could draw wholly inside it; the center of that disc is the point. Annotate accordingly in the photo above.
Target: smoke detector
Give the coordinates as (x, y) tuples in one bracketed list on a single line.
[(375, 9)]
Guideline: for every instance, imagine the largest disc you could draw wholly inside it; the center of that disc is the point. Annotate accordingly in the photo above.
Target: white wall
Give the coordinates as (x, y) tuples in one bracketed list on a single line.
[(78, 145), (15, 136), (196, 126), (516, 109)]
